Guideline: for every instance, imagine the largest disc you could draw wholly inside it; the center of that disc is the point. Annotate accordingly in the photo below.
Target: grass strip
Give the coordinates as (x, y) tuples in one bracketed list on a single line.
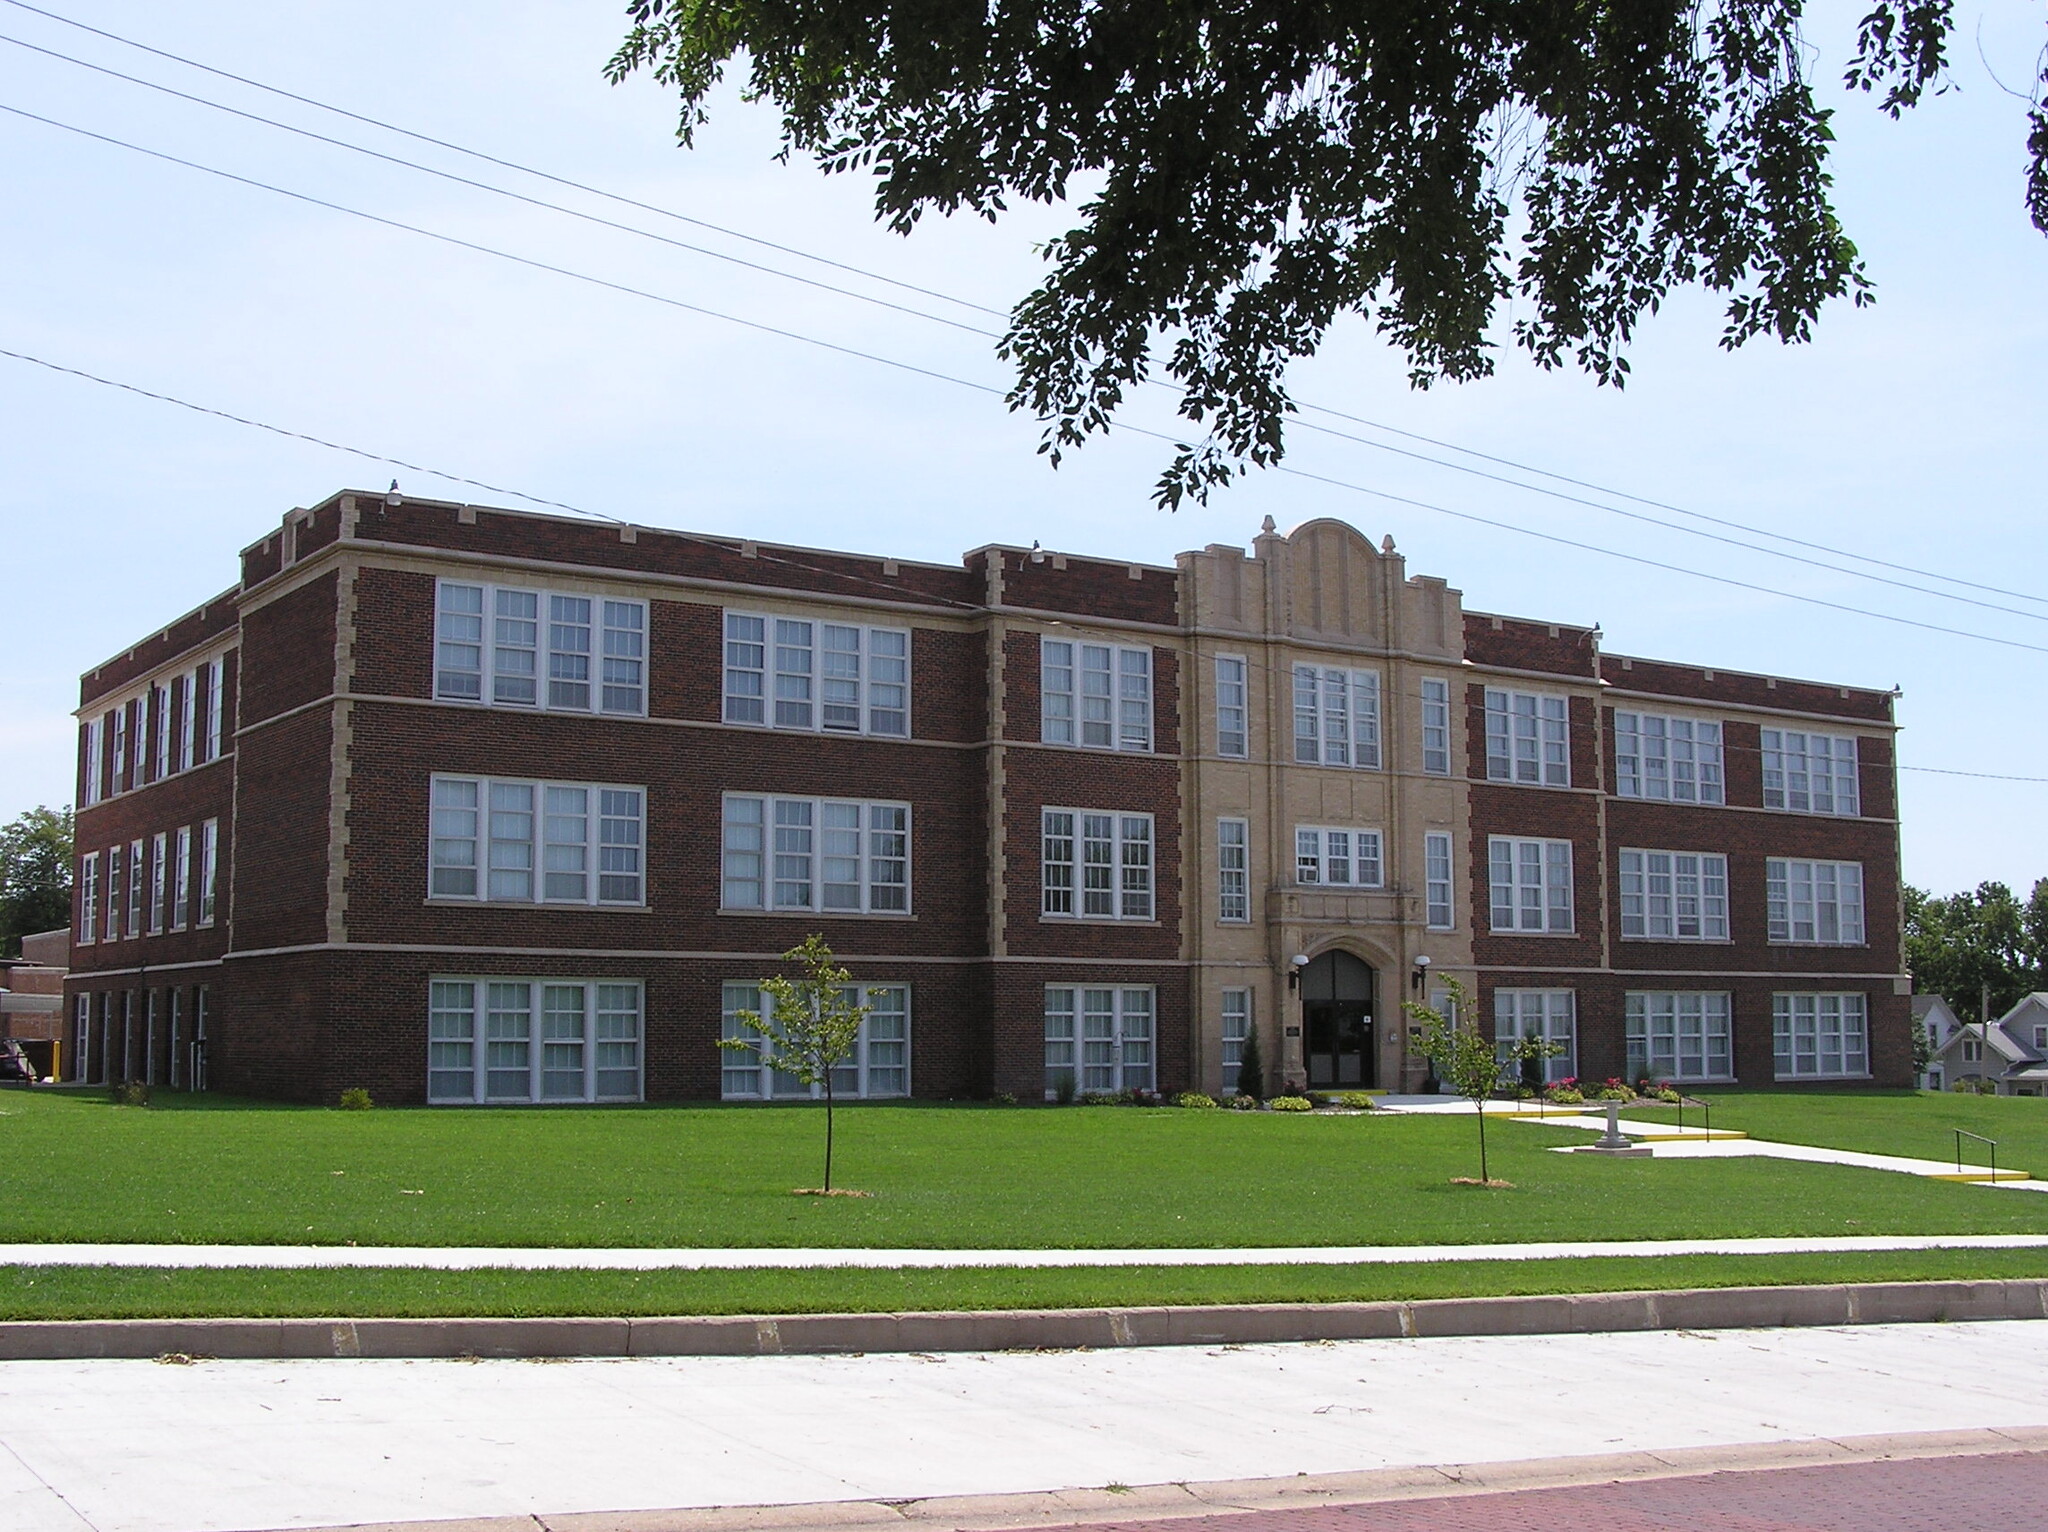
[(101, 1292)]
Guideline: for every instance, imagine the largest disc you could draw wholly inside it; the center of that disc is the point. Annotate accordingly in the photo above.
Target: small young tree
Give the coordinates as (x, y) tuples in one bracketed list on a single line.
[(811, 1027), (1251, 1069), (1472, 1064)]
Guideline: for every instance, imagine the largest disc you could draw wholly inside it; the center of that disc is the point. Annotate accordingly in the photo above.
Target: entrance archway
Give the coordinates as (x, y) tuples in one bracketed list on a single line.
[(1336, 1023)]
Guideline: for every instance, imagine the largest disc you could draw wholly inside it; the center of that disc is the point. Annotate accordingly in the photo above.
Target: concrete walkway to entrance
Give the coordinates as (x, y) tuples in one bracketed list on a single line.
[(464, 1258), (217, 1446)]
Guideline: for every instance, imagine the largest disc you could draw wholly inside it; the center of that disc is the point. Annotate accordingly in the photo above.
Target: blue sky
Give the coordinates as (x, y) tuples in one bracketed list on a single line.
[(1911, 431)]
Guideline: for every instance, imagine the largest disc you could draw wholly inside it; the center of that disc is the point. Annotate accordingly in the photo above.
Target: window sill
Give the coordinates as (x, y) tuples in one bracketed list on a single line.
[(1336, 888), (1555, 787), (1772, 808), (1064, 744), (1778, 1079), (1104, 920), (812, 914), (1685, 941), (814, 732), (1665, 803), (1558, 935), (456, 902), (1820, 946), (536, 708)]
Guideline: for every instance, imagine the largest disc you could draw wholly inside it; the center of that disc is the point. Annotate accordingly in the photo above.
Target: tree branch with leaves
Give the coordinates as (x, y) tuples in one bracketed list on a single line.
[(1475, 1066)]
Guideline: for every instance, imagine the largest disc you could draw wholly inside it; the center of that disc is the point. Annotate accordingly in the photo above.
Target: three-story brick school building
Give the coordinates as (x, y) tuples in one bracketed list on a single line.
[(469, 805)]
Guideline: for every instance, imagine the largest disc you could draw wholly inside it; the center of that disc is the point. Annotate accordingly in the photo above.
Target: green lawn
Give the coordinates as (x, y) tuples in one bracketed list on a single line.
[(98, 1292), (209, 1169), (1917, 1123)]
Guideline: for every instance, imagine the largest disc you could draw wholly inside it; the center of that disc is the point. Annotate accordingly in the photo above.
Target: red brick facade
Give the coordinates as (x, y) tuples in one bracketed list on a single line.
[(328, 935)]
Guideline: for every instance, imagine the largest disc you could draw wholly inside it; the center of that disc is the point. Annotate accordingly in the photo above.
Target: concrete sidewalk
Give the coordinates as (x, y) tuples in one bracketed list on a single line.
[(226, 1446)]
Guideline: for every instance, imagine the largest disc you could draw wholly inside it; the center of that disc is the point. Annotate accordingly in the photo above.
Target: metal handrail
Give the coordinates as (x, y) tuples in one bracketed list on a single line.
[(1991, 1144), (1706, 1109)]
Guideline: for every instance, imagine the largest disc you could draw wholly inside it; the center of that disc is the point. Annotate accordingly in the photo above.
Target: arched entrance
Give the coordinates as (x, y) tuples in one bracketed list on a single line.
[(1336, 1023)]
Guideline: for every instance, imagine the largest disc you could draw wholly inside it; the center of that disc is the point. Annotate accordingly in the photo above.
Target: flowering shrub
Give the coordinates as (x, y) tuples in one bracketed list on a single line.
[(1564, 1092), (1291, 1104), (1243, 1103), (1194, 1098), (1614, 1089), (1356, 1100)]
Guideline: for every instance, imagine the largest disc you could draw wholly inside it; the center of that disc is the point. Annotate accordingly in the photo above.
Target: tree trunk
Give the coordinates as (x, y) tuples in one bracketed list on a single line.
[(1480, 1103), (828, 1130)]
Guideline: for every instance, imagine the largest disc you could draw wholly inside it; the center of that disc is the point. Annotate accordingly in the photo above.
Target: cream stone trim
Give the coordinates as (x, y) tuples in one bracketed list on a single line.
[(341, 755)]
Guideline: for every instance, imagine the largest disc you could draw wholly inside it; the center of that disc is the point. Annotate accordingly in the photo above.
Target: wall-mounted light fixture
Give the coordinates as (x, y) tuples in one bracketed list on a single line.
[(1037, 553), (1295, 965), (1421, 975)]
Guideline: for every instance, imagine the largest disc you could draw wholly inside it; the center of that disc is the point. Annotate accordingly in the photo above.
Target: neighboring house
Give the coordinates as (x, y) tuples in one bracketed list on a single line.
[(460, 804), (2011, 1052), (32, 999), (1934, 1016)]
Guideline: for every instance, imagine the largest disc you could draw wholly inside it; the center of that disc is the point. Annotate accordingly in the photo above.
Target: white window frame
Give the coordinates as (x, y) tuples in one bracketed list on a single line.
[(1824, 1036), (878, 1070), (1792, 781), (120, 749), (209, 869), (1667, 758), (1552, 911), (1233, 706), (181, 878), (1094, 695), (778, 843), (1528, 738), (159, 865), (1234, 871), (188, 720), (1814, 904), (1237, 1013), (1551, 1014), (461, 1040), (1681, 1027), (1436, 726), (160, 706), (116, 889), (216, 674), (1336, 717), (496, 847), (1097, 864), (89, 790), (813, 675), (88, 898), (1673, 896), (1104, 1036), (491, 642), (1439, 882), (1338, 856)]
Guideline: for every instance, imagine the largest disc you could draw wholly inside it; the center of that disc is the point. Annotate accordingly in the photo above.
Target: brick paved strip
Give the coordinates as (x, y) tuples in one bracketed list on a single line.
[(1031, 1329), (1512, 1486)]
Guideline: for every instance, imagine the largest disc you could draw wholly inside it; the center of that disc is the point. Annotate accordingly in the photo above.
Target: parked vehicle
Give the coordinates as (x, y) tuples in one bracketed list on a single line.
[(14, 1065)]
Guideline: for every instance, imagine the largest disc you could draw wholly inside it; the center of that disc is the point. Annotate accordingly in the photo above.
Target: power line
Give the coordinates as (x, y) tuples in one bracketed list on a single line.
[(984, 388), (972, 329), (1987, 776)]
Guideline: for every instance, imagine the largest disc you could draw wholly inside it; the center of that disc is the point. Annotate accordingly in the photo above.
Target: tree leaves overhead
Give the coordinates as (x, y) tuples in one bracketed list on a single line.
[(1251, 171)]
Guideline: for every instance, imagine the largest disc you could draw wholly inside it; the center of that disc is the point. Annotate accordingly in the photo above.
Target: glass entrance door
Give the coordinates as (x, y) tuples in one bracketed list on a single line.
[(1337, 1023)]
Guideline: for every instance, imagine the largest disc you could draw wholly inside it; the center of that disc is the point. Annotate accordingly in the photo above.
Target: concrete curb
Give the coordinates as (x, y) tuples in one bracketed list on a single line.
[(1304, 1492), (1719, 1308)]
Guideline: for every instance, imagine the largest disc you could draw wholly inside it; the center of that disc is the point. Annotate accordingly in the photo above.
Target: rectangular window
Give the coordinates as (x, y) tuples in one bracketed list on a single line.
[(837, 677), (1436, 727), (1231, 706), (838, 856), (134, 888), (1341, 858), (533, 1040), (1237, 1026), (1528, 738), (1679, 1036), (515, 647), (878, 1069), (1439, 910), (88, 897), (188, 719), (216, 702), (536, 842), (1674, 896), (1337, 717), (114, 891), (1550, 1014), (209, 861), (159, 866), (120, 742), (1097, 695), (160, 711), (1115, 866), (181, 878), (1673, 760), (1810, 773), (1532, 884), (89, 784), (1819, 1037), (1233, 870), (1098, 1041), (1820, 903)]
